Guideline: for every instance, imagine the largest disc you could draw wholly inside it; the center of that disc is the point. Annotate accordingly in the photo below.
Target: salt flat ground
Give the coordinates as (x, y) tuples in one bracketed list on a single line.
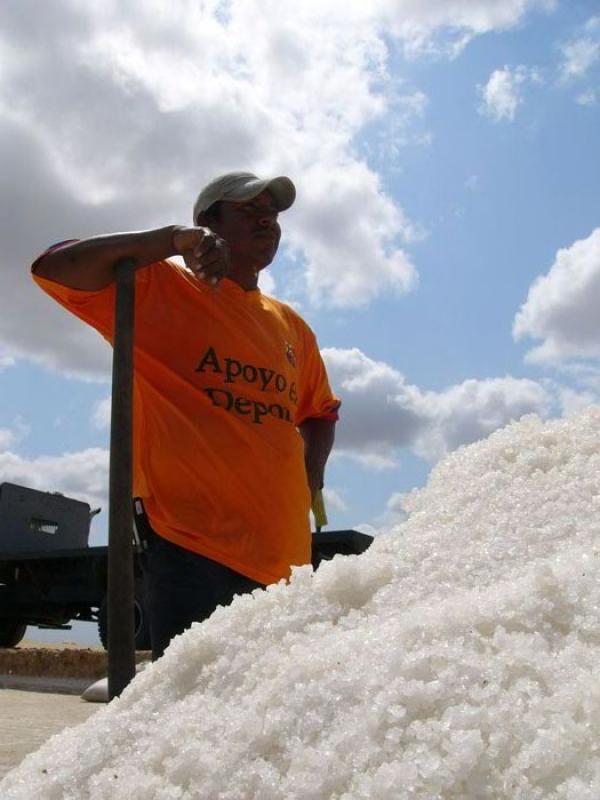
[(28, 719)]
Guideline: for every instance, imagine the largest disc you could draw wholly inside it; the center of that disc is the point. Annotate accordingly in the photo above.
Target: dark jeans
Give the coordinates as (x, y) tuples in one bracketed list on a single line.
[(182, 587)]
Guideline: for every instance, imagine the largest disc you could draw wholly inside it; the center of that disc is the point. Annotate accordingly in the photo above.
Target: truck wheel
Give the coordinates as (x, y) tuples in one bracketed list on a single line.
[(11, 632), (141, 629)]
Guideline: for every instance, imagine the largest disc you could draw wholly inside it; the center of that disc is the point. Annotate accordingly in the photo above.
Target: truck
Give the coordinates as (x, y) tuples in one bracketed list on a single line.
[(51, 576)]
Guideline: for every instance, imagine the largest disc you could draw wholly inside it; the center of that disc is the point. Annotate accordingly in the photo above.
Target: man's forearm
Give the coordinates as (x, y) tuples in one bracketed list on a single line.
[(89, 264), (318, 435)]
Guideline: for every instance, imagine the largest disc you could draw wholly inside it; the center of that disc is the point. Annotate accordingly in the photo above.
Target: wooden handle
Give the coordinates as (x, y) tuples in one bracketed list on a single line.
[(121, 645)]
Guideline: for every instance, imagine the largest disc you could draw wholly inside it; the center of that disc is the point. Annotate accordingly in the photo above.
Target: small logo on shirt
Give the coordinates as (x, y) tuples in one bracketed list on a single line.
[(290, 354)]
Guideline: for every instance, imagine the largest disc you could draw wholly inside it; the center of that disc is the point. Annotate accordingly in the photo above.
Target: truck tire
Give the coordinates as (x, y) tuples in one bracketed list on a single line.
[(141, 628), (11, 632)]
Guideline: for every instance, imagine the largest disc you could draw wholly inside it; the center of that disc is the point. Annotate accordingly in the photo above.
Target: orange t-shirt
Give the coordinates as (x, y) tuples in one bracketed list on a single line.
[(222, 379)]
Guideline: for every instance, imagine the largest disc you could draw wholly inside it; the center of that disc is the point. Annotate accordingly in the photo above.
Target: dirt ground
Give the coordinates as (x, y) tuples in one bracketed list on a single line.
[(28, 719), (40, 688)]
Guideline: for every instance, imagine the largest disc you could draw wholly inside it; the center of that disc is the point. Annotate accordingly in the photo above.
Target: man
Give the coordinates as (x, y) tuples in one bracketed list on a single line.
[(233, 414)]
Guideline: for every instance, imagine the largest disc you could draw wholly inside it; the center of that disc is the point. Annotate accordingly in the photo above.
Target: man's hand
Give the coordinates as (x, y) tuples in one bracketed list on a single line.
[(318, 435), (315, 475), (205, 253)]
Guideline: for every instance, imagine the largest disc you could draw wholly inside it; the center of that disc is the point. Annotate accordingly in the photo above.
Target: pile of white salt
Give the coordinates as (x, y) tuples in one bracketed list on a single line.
[(459, 657)]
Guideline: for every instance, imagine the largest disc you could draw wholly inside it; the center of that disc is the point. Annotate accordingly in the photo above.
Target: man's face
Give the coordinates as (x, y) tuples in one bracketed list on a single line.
[(250, 229)]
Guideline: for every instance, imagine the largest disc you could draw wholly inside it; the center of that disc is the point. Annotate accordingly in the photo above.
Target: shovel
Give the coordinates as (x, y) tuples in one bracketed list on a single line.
[(121, 644)]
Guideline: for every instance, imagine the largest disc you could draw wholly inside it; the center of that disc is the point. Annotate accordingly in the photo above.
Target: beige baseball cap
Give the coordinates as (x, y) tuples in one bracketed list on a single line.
[(240, 186)]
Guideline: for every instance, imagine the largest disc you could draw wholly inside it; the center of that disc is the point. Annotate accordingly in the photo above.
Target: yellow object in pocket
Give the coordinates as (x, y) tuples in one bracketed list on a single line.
[(318, 510)]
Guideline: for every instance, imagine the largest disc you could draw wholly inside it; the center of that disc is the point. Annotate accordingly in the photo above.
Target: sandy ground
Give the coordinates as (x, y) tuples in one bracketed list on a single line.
[(66, 645), (40, 688), (28, 719), (64, 666)]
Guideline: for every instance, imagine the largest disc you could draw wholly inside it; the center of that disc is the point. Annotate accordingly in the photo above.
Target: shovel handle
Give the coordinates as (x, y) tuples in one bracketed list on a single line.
[(121, 646)]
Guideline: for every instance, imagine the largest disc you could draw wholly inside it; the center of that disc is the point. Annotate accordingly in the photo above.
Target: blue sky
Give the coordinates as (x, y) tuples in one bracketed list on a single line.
[(445, 156)]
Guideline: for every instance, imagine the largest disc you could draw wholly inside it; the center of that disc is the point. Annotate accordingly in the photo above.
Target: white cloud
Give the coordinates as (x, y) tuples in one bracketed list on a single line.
[(502, 94), (584, 375), (113, 114), (83, 475), (11, 436), (268, 284), (474, 409), (6, 361), (379, 408), (381, 413), (593, 24), (587, 98), (337, 269), (573, 402), (392, 516), (379, 461), (395, 502), (394, 510), (579, 56), (456, 22), (401, 130), (562, 307), (577, 386), (334, 499), (101, 413)]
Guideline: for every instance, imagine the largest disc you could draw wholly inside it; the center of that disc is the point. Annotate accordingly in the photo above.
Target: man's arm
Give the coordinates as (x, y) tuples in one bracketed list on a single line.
[(89, 264), (318, 435)]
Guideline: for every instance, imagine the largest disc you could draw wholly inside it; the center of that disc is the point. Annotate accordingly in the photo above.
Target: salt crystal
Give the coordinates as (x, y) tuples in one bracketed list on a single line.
[(456, 658)]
